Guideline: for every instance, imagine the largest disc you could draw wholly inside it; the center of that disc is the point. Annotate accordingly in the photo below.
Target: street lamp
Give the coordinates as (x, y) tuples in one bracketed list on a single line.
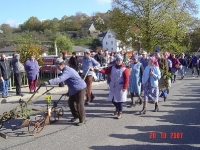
[(139, 44)]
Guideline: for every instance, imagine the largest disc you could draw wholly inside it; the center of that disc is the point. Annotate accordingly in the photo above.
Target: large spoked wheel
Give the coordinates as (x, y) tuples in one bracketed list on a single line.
[(36, 125), (1, 123), (6, 117), (56, 114)]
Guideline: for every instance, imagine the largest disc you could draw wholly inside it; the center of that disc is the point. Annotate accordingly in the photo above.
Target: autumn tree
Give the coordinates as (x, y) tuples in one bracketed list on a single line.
[(30, 46), (161, 22)]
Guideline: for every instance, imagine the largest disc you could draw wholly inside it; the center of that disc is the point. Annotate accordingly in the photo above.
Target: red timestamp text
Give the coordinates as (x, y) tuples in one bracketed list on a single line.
[(164, 135)]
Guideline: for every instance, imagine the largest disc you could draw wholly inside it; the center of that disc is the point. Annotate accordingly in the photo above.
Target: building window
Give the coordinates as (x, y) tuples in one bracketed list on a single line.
[(107, 49), (112, 49), (109, 36), (112, 42), (106, 43)]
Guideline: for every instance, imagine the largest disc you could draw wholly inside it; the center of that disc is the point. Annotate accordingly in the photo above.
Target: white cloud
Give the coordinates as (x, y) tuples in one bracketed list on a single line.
[(12, 23), (103, 1)]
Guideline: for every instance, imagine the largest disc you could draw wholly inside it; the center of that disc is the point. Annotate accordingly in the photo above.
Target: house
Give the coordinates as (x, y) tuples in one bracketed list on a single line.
[(72, 33), (79, 50), (8, 50), (89, 27), (110, 43)]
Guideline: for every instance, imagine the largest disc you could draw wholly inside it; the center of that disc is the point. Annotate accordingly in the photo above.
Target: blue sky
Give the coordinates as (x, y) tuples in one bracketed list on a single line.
[(18, 11), (15, 12)]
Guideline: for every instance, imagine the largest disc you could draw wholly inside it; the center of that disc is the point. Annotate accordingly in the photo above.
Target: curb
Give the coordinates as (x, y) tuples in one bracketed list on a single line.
[(55, 90)]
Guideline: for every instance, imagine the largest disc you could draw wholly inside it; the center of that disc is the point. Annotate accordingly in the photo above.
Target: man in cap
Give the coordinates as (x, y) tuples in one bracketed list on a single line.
[(76, 90), (88, 65), (119, 75), (144, 59)]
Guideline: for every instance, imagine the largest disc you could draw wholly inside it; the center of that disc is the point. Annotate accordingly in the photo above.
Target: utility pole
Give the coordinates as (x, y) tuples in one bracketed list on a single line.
[(139, 46), (56, 50)]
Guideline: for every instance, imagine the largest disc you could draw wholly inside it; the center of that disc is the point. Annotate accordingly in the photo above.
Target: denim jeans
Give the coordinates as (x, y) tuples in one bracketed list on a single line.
[(164, 93), (99, 76), (183, 70), (4, 87)]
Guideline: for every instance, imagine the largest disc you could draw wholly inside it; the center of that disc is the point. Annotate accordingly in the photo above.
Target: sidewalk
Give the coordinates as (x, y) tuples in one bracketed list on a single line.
[(25, 91)]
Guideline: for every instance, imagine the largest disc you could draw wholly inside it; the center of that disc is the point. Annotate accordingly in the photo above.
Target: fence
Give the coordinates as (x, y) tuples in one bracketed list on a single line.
[(46, 72)]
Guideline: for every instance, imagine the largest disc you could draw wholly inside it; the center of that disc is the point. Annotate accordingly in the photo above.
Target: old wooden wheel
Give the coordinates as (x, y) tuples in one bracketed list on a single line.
[(36, 124), (1, 123), (56, 114)]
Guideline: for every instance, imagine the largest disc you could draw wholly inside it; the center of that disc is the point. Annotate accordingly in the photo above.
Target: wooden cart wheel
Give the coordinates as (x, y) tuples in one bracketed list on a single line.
[(6, 117), (36, 124), (1, 123), (56, 114)]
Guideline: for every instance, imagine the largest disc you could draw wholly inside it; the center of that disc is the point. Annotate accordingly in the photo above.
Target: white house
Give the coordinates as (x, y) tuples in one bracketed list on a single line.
[(110, 43)]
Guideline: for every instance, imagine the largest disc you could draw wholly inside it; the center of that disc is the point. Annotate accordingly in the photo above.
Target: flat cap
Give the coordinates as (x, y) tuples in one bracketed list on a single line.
[(86, 51)]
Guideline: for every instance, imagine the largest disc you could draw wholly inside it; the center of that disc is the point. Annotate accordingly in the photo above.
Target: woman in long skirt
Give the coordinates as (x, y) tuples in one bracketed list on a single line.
[(150, 80), (136, 69), (119, 75)]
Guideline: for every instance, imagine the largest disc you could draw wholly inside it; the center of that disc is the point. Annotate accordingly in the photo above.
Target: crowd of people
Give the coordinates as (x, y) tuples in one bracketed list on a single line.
[(147, 77), (7, 67)]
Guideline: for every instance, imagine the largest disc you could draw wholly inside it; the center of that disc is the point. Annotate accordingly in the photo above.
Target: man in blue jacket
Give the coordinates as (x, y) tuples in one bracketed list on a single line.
[(88, 66), (76, 90)]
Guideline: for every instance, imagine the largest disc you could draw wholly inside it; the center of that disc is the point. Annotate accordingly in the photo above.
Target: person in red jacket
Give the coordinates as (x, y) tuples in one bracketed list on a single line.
[(175, 66), (119, 75)]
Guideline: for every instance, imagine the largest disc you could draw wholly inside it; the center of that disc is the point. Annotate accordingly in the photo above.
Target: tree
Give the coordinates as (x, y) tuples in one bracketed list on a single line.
[(63, 43), (55, 25), (32, 24), (64, 23), (161, 22), (46, 25), (30, 46)]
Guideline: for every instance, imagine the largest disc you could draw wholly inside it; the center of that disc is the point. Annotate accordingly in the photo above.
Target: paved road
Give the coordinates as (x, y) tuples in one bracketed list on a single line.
[(178, 120)]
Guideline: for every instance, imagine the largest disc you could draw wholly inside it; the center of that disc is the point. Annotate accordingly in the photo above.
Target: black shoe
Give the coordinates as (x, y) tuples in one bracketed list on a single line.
[(81, 123), (73, 119), (156, 109), (143, 111), (165, 98)]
